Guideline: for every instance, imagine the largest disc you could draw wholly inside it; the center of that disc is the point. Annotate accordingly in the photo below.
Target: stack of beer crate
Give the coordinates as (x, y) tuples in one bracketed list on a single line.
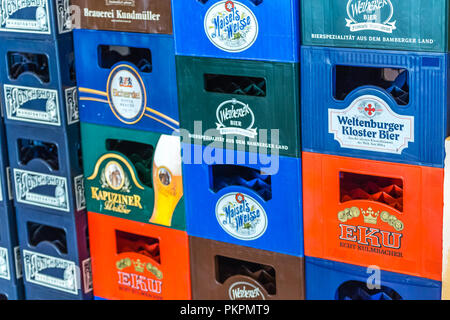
[(238, 89), (11, 284), (125, 63), (43, 144), (374, 121)]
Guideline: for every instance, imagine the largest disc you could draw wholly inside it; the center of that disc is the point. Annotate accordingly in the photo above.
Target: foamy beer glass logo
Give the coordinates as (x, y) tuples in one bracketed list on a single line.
[(167, 179), (126, 94), (231, 26), (370, 15)]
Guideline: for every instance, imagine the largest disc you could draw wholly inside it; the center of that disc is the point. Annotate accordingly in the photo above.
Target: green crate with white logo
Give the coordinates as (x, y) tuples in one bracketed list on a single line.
[(250, 106), (414, 25), (134, 175)]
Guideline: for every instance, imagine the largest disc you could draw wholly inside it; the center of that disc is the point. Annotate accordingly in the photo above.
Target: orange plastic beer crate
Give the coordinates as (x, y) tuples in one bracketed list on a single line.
[(138, 261), (366, 212)]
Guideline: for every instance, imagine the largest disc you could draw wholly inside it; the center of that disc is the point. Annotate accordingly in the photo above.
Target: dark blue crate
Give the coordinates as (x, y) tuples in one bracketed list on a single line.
[(51, 180), (250, 201), (330, 280), (38, 82), (5, 172), (44, 19), (54, 266), (116, 90), (10, 262), (261, 30), (372, 121)]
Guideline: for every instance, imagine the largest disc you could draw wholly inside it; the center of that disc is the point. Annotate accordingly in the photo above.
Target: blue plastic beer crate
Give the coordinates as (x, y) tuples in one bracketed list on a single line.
[(43, 19), (244, 198), (10, 262), (55, 255), (38, 82), (127, 80), (245, 29), (46, 169), (330, 280), (373, 104)]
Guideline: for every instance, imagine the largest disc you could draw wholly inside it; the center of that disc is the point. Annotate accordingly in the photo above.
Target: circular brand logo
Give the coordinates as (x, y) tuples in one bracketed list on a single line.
[(245, 291), (164, 176), (114, 175), (241, 216), (231, 26), (126, 94)]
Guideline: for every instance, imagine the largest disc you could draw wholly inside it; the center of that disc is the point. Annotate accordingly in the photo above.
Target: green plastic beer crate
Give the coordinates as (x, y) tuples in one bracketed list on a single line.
[(251, 106), (133, 175), (414, 25)]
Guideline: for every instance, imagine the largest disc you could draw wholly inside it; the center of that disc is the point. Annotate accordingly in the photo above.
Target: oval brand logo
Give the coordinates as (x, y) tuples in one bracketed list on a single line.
[(235, 117), (126, 94), (241, 216), (245, 291), (370, 15), (231, 26)]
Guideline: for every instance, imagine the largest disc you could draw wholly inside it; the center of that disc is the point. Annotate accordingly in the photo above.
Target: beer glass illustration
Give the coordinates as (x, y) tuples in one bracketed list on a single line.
[(167, 179)]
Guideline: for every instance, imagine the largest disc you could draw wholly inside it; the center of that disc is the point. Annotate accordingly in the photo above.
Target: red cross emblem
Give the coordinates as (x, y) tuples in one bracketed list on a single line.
[(370, 109), (229, 5)]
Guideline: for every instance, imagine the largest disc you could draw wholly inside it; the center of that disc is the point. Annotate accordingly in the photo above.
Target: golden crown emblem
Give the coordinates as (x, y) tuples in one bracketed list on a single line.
[(370, 216), (139, 266)]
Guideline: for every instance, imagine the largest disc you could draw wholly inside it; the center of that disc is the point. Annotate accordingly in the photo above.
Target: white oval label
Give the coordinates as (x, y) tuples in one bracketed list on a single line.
[(370, 124), (245, 291), (126, 94), (241, 216), (231, 26)]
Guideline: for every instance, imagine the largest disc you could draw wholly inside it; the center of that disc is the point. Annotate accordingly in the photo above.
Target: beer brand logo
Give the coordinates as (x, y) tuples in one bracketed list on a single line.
[(4, 264), (41, 190), (241, 216), (126, 94), (371, 236), (72, 105), (231, 26), (32, 105), (50, 272), (29, 16), (245, 291), (140, 276), (79, 193), (64, 18), (370, 124), (18, 262), (87, 272), (370, 15), (115, 185), (235, 117)]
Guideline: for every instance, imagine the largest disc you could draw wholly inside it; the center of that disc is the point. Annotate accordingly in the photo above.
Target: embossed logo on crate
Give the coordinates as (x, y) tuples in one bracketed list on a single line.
[(41, 190), (245, 291), (370, 124), (72, 105), (4, 264), (241, 216), (32, 105), (231, 26), (51, 272), (87, 272), (370, 15), (28, 16), (235, 117), (79, 192)]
